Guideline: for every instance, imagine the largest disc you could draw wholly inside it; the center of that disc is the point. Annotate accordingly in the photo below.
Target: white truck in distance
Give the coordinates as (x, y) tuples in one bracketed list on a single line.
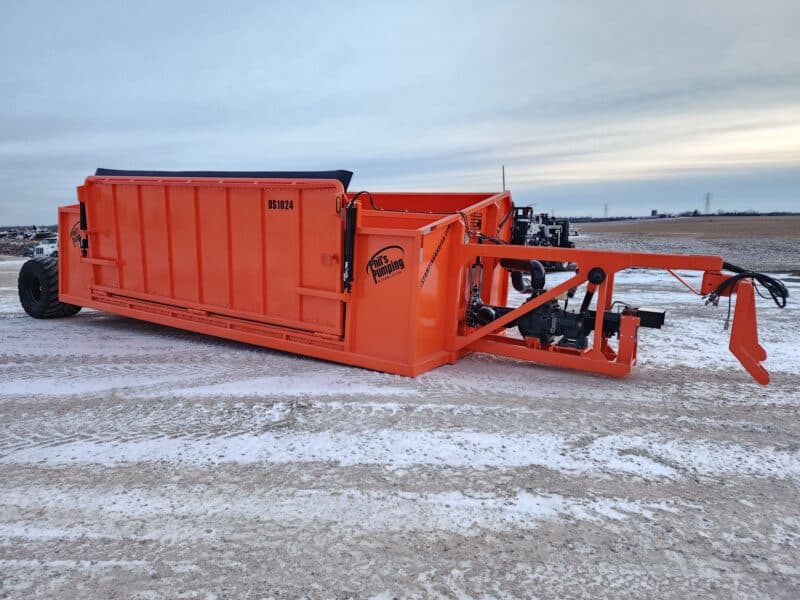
[(47, 247)]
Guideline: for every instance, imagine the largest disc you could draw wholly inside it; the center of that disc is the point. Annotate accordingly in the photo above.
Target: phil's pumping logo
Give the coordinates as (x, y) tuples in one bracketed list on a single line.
[(75, 234), (386, 262)]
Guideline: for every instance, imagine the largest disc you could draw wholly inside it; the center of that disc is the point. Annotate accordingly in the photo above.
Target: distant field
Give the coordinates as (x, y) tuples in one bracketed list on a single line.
[(761, 243), (713, 227)]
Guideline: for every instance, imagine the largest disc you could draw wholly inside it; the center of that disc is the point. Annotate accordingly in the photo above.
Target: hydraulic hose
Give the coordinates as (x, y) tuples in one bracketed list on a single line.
[(774, 287)]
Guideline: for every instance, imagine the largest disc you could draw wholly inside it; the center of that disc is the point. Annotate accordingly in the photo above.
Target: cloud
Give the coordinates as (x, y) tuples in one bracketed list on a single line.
[(411, 96)]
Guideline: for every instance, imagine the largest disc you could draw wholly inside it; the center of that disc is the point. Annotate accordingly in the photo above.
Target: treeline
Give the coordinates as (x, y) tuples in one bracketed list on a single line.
[(688, 213)]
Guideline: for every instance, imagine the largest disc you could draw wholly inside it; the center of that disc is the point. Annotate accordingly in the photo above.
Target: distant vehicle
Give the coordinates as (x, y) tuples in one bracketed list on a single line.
[(542, 230), (47, 247), (36, 233)]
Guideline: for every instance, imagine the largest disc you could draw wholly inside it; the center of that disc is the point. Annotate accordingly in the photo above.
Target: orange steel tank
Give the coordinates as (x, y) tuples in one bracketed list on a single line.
[(260, 260), (396, 282)]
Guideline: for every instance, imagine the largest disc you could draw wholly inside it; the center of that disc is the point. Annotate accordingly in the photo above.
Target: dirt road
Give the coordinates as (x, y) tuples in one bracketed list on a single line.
[(139, 461)]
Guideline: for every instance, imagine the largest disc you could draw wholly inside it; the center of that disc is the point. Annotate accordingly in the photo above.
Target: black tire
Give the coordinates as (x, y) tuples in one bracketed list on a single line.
[(38, 290)]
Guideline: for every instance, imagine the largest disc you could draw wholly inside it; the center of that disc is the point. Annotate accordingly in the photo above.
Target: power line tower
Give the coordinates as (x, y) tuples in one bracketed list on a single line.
[(708, 203)]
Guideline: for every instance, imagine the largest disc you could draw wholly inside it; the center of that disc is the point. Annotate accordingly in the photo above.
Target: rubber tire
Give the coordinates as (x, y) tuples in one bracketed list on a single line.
[(38, 290)]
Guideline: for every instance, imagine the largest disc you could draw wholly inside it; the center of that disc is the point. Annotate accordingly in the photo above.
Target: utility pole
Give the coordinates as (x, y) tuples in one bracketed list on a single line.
[(504, 178)]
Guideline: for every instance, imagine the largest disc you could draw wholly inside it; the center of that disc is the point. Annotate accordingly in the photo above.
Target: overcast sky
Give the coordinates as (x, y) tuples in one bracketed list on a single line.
[(636, 104)]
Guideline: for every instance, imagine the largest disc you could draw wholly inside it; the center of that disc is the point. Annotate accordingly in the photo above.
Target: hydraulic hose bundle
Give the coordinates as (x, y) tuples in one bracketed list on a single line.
[(774, 287)]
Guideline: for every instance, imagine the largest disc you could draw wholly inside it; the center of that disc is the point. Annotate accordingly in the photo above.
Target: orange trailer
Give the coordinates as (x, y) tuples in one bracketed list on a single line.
[(396, 282)]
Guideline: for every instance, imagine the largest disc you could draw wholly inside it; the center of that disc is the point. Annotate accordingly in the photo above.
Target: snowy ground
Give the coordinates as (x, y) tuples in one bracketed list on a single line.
[(141, 461)]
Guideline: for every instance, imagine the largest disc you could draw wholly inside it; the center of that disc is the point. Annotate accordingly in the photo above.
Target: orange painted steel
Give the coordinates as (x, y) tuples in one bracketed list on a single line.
[(261, 261), (744, 333)]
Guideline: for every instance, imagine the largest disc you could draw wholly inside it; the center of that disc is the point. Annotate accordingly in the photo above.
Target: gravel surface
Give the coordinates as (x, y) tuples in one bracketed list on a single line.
[(140, 461)]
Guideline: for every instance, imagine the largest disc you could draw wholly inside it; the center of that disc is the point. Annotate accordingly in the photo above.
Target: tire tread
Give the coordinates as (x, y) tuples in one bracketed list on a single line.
[(49, 306)]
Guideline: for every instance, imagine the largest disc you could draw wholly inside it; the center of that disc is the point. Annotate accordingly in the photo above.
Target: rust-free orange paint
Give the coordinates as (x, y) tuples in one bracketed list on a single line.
[(260, 261)]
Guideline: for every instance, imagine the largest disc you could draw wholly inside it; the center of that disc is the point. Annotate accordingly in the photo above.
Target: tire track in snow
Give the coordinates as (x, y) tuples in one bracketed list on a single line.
[(454, 511), (127, 416), (648, 457)]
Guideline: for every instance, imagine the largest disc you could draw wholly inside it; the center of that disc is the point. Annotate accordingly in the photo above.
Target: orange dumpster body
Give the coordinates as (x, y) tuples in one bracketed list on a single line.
[(261, 261)]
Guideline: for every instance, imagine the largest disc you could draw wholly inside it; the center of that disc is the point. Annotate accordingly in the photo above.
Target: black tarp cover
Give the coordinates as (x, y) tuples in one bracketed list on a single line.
[(340, 175)]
